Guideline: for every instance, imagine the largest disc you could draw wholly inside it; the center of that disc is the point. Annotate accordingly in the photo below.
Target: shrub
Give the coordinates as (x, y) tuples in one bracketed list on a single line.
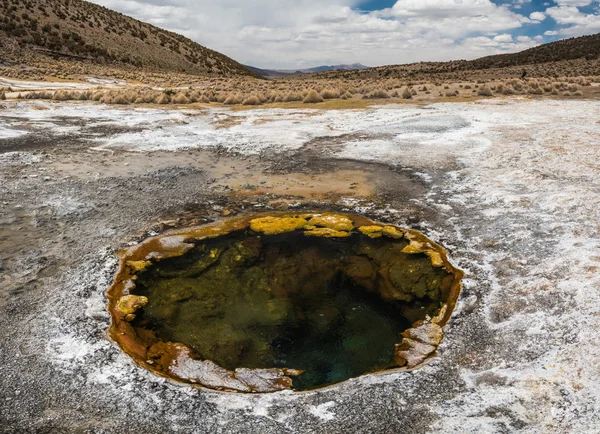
[(2, 96), (252, 100), (121, 98), (181, 98), (313, 97), (485, 91), (97, 96), (62, 95), (195, 96), (346, 95), (292, 96), (106, 99), (406, 93), (232, 99), (330, 94), (379, 93), (163, 98), (508, 90)]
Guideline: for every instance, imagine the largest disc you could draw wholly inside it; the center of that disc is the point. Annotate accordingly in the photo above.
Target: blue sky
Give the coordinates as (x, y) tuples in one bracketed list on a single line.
[(303, 33)]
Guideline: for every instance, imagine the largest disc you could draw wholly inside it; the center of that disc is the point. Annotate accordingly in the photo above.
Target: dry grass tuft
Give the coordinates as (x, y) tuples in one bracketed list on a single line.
[(252, 100), (485, 91), (163, 98), (180, 98), (313, 97), (292, 96), (233, 98), (62, 95), (330, 94), (379, 94), (106, 99), (346, 95), (406, 93)]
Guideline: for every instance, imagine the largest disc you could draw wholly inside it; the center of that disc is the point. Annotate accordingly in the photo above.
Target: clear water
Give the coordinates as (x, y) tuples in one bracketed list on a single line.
[(288, 300)]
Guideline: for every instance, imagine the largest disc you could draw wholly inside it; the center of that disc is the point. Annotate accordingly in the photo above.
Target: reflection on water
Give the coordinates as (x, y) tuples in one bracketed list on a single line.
[(315, 304)]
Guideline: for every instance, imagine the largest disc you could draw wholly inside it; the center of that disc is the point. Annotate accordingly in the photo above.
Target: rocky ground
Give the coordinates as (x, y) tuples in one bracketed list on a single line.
[(509, 186)]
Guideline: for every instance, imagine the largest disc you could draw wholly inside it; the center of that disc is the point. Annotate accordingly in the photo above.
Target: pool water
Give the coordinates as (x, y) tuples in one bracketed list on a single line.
[(290, 301)]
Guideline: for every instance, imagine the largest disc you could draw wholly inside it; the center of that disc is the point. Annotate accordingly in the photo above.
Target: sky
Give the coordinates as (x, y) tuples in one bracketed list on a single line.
[(295, 34)]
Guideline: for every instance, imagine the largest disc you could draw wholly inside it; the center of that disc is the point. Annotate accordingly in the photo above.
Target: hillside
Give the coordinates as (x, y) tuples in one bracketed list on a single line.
[(587, 47), (82, 31), (573, 56)]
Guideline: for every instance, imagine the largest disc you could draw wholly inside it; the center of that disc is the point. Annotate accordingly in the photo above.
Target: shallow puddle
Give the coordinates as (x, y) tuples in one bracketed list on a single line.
[(275, 302)]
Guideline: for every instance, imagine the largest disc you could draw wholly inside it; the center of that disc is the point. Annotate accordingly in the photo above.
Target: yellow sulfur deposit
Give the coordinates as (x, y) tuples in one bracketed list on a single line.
[(371, 231), (332, 221), (277, 225), (138, 266), (327, 233)]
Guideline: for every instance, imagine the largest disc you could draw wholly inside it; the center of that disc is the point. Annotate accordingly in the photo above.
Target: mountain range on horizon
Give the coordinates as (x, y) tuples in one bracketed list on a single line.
[(274, 73)]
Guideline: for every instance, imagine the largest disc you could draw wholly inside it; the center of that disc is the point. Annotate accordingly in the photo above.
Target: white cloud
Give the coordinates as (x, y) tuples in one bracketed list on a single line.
[(537, 16), (299, 33), (573, 2), (503, 38), (550, 33), (578, 23)]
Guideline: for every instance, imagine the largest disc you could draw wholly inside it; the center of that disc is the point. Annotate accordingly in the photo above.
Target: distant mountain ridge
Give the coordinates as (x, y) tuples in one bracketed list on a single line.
[(276, 73), (84, 31), (352, 67)]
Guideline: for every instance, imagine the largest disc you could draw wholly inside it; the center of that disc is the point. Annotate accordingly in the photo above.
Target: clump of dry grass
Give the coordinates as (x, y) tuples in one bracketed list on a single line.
[(379, 94), (313, 97), (508, 90), (346, 95), (106, 99), (2, 96), (406, 93), (62, 95), (330, 94), (97, 96), (233, 98), (292, 96), (180, 98), (485, 91), (252, 100), (163, 98), (122, 98), (38, 95)]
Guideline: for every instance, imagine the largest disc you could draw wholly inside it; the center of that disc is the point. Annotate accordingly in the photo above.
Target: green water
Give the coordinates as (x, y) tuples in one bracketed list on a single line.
[(288, 300)]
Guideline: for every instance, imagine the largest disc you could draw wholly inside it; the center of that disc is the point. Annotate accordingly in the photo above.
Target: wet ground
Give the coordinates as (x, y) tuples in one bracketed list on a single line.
[(509, 187)]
